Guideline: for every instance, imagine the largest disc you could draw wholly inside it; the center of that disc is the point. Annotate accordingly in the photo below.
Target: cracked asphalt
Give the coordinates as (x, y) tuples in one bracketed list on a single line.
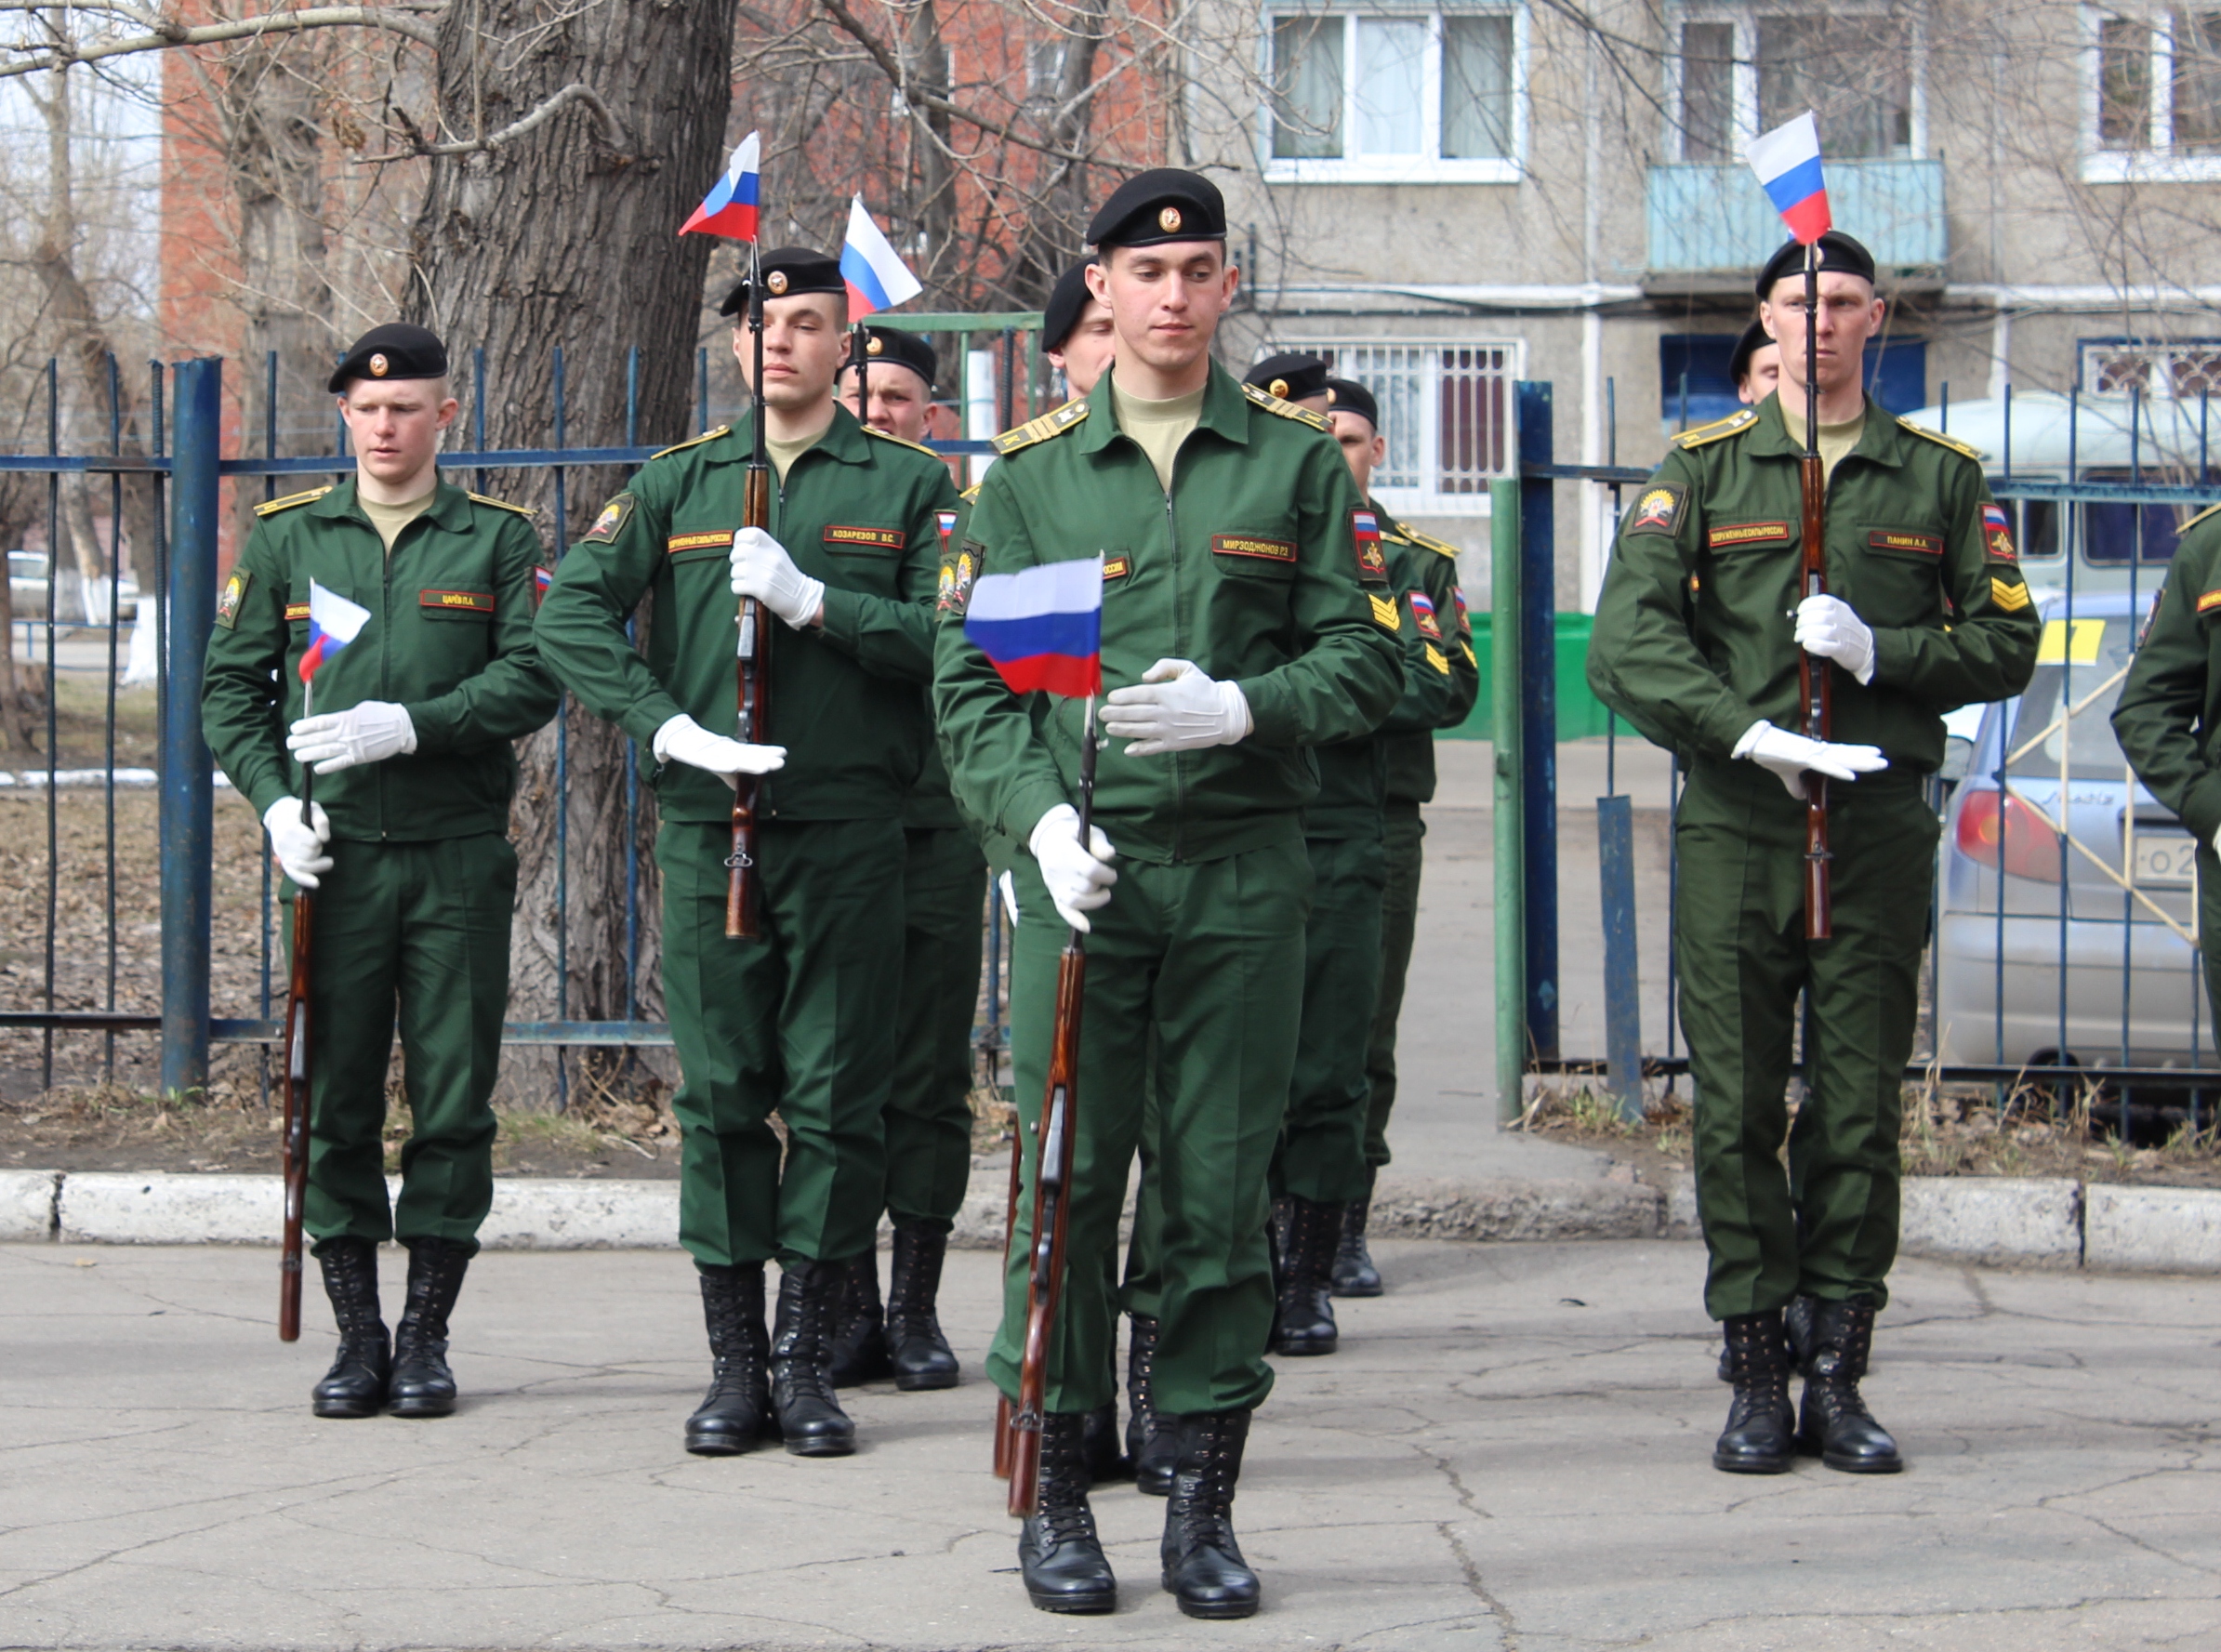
[(1510, 1451)]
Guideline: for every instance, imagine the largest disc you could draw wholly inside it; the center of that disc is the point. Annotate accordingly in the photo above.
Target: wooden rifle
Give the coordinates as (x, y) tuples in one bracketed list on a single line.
[(744, 888), (1056, 1133), (295, 1139), (1816, 701)]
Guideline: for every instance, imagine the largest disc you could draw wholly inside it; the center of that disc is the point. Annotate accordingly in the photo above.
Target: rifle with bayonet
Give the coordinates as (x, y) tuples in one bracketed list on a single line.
[(1815, 699), (744, 888)]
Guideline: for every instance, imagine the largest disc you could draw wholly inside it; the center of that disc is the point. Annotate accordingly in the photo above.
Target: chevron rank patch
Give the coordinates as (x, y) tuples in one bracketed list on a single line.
[(1435, 659), (2014, 598), (1658, 510), (229, 598), (1385, 613), (610, 522)]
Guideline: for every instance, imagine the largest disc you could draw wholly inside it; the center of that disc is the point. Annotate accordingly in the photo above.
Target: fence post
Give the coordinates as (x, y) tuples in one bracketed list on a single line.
[(1537, 621), (1511, 859), (187, 802)]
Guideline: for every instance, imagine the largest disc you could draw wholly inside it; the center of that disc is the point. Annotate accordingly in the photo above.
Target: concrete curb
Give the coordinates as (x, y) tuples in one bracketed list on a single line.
[(2031, 1222)]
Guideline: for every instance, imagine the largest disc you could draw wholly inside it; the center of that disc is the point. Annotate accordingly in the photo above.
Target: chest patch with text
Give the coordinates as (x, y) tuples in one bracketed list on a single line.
[(296, 611), (854, 538), (1251, 545), (1116, 568), (1731, 536), (1899, 539), (709, 539), (459, 601)]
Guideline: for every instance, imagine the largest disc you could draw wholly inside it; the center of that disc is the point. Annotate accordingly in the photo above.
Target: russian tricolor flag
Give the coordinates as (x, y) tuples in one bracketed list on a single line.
[(1042, 626), (334, 622), (1787, 163), (730, 208), (877, 277)]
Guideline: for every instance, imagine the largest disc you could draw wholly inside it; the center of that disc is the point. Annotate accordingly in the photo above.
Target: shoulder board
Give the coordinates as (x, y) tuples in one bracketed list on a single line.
[(1427, 541), (1055, 422), (1735, 424), (970, 494), (2209, 511), (696, 441), (898, 442), (524, 510), (1271, 403), (271, 507), (1941, 440)]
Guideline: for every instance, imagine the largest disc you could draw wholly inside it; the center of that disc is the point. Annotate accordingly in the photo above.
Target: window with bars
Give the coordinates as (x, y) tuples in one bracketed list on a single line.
[(2180, 368), (1446, 409), (2152, 103), (1411, 96)]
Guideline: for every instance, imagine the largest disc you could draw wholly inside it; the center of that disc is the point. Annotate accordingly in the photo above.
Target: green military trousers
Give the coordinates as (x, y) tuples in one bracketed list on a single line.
[(1404, 834), (1828, 1227), (929, 1109), (799, 1020), (1322, 1146), (422, 930), (1208, 957)]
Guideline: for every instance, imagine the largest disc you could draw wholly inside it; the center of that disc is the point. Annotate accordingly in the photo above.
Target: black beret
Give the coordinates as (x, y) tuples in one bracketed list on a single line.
[(1161, 205), (1290, 375), (788, 272), (1067, 299), (1753, 340), (1346, 395), (1838, 251), (396, 350), (896, 347)]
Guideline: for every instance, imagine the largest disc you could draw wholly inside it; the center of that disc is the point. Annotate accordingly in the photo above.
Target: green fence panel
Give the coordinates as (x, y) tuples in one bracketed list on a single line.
[(1581, 714)]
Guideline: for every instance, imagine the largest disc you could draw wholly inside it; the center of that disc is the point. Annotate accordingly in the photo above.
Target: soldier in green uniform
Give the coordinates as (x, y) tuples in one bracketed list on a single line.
[(407, 845), (928, 1108), (1699, 630), (2170, 708), (1440, 695), (798, 1020), (1246, 616), (1076, 331), (1755, 365)]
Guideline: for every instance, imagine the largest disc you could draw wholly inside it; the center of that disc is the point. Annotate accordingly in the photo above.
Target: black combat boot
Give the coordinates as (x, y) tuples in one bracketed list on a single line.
[(919, 1353), (1304, 1312), (1059, 1554), (1151, 1441), (1204, 1568), (1761, 1423), (736, 1412), (1353, 1272), (802, 1400), (1099, 1445), (860, 1345), (422, 1385), (1836, 1426), (355, 1386)]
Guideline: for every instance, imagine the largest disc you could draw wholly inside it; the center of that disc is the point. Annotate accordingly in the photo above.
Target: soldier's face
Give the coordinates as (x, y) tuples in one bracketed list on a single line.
[(1088, 349), (395, 427), (805, 340), (1165, 301), (1760, 376), (1849, 314), (900, 402), (1362, 446)]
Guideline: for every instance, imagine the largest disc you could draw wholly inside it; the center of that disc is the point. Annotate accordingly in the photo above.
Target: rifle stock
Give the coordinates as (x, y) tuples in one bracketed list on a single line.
[(295, 1138)]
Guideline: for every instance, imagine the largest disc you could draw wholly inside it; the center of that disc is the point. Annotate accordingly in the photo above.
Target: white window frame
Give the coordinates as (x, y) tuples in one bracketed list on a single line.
[(1743, 122), (1431, 167), (2157, 161), (1425, 500)]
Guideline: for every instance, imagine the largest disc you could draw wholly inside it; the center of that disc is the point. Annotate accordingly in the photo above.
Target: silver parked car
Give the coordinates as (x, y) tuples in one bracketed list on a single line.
[(2066, 894)]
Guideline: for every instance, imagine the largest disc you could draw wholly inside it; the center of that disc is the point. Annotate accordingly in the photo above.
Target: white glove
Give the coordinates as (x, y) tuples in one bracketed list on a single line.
[(1176, 708), (1078, 879), (762, 568), (1826, 627), (366, 733), (682, 740), (299, 849), (1790, 756)]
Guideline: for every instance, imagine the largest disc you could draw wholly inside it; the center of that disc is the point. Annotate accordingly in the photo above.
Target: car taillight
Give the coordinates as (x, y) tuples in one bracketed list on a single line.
[(1996, 828)]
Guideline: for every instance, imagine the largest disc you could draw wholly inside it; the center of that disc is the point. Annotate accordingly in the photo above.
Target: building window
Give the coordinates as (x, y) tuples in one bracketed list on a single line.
[(2152, 104), (2178, 369), (1408, 96), (1446, 409), (1739, 72)]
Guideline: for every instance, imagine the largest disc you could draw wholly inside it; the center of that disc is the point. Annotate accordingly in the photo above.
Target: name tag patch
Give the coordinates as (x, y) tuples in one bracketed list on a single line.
[(1730, 535), (297, 610), (2211, 601), (468, 602), (1116, 567), (844, 539), (721, 539), (1892, 539), (1247, 545)]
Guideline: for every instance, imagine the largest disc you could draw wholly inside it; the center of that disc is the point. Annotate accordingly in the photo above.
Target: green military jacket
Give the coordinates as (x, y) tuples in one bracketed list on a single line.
[(1352, 774), (1429, 704), (2168, 712), (857, 511), (1694, 636), (1253, 565), (449, 638)]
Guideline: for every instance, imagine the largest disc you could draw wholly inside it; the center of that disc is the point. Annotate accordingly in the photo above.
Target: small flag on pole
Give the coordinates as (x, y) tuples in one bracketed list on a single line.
[(1042, 626), (334, 622), (877, 277), (730, 208), (1787, 163)]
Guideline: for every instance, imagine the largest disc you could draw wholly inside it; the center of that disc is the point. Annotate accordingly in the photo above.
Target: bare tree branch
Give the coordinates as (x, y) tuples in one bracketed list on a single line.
[(576, 92), (167, 35)]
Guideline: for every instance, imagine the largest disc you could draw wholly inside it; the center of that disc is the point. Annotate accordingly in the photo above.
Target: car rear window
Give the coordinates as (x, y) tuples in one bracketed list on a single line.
[(2084, 660)]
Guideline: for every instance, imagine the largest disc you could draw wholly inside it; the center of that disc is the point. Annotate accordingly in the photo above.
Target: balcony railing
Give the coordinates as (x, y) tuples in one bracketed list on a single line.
[(1707, 220)]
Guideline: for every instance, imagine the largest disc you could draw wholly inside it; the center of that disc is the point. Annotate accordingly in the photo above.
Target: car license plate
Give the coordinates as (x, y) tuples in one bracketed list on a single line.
[(2166, 858)]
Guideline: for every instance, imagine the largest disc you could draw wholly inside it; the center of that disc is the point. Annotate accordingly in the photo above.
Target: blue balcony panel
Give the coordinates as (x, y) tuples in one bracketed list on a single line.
[(1704, 219)]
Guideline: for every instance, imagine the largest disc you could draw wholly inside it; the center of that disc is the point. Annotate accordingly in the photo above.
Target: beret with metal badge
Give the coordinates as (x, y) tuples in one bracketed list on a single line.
[(896, 347), (1838, 251), (1292, 375), (393, 349), (1346, 395), (789, 271), (1753, 340), (1067, 300), (1163, 203)]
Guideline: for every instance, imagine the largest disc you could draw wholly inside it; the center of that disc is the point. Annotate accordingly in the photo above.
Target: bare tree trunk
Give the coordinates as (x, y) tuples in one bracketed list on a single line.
[(19, 706), (925, 70), (1055, 232), (559, 240)]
